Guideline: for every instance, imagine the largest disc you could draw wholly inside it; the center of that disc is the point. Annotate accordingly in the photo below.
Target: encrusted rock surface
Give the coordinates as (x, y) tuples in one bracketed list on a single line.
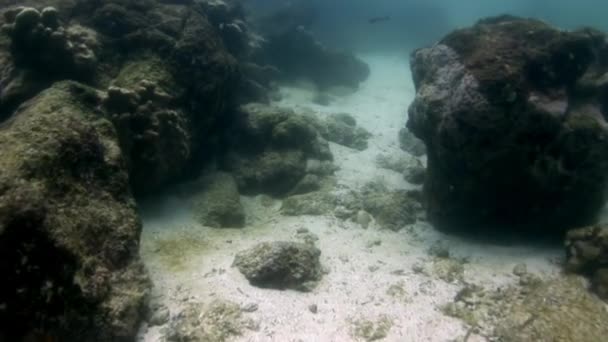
[(553, 310), (69, 230), (271, 148), (512, 112), (281, 265), (587, 254)]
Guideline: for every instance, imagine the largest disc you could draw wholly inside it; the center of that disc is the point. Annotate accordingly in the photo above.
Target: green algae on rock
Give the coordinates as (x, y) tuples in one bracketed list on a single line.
[(64, 190), (217, 322), (271, 148), (281, 265)]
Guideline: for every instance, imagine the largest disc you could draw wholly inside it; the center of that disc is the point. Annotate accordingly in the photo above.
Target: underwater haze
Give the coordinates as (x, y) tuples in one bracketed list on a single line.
[(415, 23), (303, 170)]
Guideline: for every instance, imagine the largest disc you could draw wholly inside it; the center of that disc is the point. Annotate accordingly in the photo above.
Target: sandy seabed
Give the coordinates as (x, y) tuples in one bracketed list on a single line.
[(371, 274)]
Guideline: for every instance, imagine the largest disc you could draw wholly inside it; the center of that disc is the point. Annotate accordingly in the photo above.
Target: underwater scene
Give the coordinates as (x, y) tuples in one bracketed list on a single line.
[(303, 170)]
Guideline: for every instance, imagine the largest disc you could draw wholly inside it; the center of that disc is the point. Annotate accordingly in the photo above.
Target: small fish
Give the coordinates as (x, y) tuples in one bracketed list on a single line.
[(375, 20)]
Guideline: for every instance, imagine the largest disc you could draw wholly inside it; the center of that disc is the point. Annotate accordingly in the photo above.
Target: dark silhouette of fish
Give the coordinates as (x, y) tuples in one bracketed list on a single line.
[(375, 20)]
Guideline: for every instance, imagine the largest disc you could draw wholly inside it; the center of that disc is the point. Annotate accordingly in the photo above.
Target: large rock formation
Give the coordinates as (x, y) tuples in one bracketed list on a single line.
[(512, 112), (69, 230)]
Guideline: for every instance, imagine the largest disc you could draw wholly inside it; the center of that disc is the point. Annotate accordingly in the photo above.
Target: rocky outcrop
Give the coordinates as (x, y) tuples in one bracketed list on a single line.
[(155, 133), (342, 129), (281, 265), (69, 230), (512, 112), (270, 148), (42, 50)]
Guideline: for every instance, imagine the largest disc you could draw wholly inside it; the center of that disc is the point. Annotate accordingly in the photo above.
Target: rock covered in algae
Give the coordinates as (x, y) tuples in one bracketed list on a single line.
[(39, 41), (342, 129), (217, 322), (271, 149), (219, 203), (410, 144), (587, 254), (69, 230), (553, 310), (515, 131), (156, 134), (281, 265), (392, 209)]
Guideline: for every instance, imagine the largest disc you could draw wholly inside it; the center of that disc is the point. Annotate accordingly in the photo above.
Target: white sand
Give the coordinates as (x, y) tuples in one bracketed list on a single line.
[(351, 290)]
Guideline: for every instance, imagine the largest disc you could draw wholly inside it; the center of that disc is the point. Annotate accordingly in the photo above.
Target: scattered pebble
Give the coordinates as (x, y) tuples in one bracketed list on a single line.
[(313, 308)]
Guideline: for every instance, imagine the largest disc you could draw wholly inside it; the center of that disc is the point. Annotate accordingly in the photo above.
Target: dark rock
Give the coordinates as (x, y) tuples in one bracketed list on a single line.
[(409, 143), (587, 254), (343, 130), (391, 209), (271, 148), (40, 42), (281, 265), (512, 113), (69, 230), (155, 134), (415, 174), (219, 204)]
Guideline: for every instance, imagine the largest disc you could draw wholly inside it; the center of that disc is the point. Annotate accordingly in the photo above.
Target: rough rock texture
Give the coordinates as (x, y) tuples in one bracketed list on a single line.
[(69, 230), (554, 310), (281, 265), (409, 143), (587, 254), (342, 129), (270, 149), (219, 204), (392, 209), (42, 50), (512, 112), (216, 322), (165, 64), (155, 133)]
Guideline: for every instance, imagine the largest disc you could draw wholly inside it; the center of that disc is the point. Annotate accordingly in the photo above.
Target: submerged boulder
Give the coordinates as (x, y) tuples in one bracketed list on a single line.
[(281, 265), (512, 112), (587, 254), (69, 230), (270, 148)]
